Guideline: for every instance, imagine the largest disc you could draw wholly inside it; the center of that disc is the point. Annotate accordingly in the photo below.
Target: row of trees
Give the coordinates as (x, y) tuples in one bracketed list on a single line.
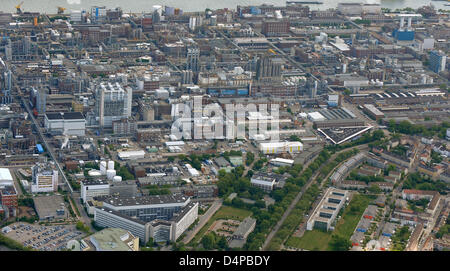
[(295, 217), (266, 219), (213, 241), (366, 138), (422, 182), (405, 127), (12, 244)]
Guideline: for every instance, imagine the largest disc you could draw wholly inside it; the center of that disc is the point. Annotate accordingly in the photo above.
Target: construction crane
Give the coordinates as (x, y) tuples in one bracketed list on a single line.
[(61, 10), (18, 8)]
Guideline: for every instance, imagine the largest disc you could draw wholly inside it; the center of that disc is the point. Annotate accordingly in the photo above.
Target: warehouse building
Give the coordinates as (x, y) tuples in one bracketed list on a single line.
[(131, 155), (281, 147), (373, 112), (68, 123)]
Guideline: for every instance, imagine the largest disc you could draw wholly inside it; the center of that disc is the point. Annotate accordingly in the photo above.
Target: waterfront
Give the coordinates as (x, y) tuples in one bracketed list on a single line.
[(138, 6)]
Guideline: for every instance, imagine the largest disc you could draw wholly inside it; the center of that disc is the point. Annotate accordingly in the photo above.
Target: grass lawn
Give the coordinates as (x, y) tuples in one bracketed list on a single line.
[(312, 240), (319, 240), (225, 212)]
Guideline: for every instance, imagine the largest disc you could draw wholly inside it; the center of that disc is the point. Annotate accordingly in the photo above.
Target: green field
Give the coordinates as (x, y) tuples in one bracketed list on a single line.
[(225, 212), (319, 240)]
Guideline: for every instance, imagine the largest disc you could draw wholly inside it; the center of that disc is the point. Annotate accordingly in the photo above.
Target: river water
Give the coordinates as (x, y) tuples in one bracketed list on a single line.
[(137, 6)]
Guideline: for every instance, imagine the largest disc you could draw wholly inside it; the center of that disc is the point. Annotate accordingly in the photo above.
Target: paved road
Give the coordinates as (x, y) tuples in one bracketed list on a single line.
[(42, 137), (203, 220)]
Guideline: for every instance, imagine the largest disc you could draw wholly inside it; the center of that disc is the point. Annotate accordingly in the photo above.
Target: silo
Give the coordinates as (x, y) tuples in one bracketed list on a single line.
[(110, 173), (111, 164), (103, 167)]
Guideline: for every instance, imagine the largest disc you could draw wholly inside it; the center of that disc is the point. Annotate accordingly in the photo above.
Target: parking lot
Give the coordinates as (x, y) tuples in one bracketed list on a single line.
[(44, 238)]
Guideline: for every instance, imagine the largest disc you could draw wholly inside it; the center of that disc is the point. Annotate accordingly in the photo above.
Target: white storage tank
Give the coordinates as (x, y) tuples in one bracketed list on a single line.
[(103, 167), (117, 178), (111, 164), (110, 173), (94, 173)]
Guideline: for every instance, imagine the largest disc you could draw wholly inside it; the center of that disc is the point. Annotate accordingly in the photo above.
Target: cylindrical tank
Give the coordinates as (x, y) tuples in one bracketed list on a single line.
[(94, 173), (117, 178), (103, 167), (111, 164), (110, 173)]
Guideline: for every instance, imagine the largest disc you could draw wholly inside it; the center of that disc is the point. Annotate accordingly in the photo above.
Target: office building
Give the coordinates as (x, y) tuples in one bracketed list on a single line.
[(265, 182), (162, 217), (93, 188), (45, 178), (111, 239), (327, 210), (438, 61), (113, 103)]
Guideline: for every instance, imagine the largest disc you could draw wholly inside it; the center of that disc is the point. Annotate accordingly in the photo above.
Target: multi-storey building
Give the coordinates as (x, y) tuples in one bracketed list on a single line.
[(275, 27), (113, 103), (162, 217), (437, 61), (45, 178)]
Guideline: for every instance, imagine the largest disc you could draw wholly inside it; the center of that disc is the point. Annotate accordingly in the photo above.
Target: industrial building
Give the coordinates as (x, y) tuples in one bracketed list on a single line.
[(113, 102), (438, 60), (5, 177), (281, 162), (327, 210), (67, 123), (280, 147), (50, 208), (131, 155)]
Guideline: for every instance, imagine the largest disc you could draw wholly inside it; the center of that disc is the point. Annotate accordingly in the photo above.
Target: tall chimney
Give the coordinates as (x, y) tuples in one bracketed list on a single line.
[(402, 22)]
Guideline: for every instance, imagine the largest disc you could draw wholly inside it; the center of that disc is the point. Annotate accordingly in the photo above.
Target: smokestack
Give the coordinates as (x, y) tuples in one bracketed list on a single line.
[(409, 22), (402, 22)]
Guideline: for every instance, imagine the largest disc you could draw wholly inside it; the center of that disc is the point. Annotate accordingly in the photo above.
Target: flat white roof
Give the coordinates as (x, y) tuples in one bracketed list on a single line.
[(282, 160), (280, 144), (5, 175)]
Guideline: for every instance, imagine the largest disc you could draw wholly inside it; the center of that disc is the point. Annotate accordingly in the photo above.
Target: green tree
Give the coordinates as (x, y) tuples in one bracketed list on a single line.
[(208, 241), (374, 189), (339, 243)]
